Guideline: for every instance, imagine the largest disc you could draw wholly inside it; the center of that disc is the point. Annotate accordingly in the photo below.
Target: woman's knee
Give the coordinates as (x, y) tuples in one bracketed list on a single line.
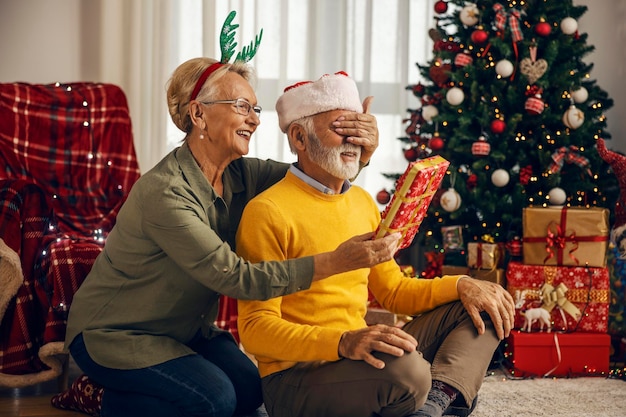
[(219, 400)]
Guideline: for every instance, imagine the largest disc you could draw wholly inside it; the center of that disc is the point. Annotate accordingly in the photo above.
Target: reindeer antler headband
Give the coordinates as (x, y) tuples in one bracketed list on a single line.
[(227, 46)]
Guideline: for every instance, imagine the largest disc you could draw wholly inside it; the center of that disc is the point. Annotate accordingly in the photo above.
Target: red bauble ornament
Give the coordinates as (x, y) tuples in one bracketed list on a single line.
[(543, 29), (534, 105), (479, 36), (383, 196), (514, 246), (411, 154), (481, 147), (441, 6), (498, 126), (436, 142)]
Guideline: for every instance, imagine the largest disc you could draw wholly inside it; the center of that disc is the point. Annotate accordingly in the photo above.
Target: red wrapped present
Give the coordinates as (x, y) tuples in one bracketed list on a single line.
[(577, 298), (558, 354), (565, 236), (414, 192)]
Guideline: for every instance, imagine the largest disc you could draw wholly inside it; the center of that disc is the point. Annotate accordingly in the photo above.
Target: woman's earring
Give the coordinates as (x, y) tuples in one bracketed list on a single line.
[(201, 136)]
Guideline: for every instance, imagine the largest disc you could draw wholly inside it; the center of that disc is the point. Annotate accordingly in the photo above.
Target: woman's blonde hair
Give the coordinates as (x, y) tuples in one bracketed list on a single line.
[(183, 80)]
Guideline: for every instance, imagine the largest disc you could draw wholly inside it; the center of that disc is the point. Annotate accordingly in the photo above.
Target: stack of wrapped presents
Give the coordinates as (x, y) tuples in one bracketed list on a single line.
[(561, 289)]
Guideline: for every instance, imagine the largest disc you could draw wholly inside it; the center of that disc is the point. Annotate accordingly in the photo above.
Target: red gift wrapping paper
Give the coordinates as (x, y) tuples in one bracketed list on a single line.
[(414, 191), (557, 354), (566, 291)]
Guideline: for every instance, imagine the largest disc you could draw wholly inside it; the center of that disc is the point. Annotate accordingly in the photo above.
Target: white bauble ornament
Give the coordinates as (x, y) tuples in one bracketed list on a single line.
[(557, 196), (573, 117), (500, 177), (469, 14), (504, 68), (569, 26), (450, 200), (429, 111), (455, 96), (580, 95)]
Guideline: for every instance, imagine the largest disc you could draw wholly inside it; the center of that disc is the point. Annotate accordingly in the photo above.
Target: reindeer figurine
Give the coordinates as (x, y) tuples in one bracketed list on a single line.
[(532, 315)]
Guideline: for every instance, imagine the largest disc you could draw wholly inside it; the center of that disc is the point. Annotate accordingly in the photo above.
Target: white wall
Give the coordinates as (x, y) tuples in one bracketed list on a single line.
[(43, 41)]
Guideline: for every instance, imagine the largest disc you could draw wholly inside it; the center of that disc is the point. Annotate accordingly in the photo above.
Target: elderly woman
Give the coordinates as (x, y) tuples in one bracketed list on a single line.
[(141, 325)]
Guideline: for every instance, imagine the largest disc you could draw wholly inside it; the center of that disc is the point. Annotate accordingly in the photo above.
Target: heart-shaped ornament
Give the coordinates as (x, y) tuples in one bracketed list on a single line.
[(533, 69)]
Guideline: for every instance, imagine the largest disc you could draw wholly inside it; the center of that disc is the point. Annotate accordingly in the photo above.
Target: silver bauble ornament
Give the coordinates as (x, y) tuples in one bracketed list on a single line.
[(429, 111), (557, 196), (504, 68), (580, 95), (455, 96), (500, 177)]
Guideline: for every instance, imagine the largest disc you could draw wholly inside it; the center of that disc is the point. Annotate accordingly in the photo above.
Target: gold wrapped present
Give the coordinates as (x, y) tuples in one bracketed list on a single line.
[(568, 236), (482, 255)]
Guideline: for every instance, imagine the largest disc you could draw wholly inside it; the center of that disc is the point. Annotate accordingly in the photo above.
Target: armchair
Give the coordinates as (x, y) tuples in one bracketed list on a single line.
[(67, 162)]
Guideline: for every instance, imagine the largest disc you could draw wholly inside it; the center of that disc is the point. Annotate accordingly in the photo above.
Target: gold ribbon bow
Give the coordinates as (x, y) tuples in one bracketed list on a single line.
[(555, 297)]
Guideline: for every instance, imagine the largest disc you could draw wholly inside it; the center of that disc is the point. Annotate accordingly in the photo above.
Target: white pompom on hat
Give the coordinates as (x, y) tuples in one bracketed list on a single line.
[(331, 92)]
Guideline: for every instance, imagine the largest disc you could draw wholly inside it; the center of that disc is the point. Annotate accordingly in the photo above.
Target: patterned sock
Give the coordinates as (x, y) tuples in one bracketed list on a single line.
[(439, 398), (84, 395)]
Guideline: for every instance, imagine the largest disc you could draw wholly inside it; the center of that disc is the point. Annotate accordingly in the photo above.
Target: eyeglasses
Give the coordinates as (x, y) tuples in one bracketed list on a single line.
[(241, 105)]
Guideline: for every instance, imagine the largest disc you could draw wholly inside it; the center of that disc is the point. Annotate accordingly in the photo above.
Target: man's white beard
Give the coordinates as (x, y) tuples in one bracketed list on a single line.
[(329, 159)]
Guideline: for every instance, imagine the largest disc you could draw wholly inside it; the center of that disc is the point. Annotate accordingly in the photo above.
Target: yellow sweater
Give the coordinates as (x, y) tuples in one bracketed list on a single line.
[(292, 219)]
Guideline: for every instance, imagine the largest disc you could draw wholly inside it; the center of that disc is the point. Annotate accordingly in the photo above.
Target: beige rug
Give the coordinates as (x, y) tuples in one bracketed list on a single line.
[(551, 397)]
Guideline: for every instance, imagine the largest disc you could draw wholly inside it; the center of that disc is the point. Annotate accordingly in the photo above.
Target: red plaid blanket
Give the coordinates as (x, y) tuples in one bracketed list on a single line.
[(74, 143)]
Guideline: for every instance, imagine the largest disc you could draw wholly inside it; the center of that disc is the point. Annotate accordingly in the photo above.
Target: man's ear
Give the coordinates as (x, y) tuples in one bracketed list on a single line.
[(296, 134)]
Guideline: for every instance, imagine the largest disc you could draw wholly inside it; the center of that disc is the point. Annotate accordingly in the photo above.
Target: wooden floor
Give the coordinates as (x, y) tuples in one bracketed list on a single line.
[(35, 400)]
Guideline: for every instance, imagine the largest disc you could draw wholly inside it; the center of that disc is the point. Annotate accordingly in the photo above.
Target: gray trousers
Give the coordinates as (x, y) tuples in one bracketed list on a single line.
[(449, 350)]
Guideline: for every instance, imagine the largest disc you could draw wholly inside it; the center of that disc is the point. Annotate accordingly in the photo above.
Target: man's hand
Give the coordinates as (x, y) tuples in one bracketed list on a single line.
[(478, 295), (361, 129), (359, 344)]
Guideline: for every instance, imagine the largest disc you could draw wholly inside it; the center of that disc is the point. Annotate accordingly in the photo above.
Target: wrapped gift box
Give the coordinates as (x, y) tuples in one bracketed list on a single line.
[(483, 255), (576, 297), (558, 354), (414, 192), (565, 236), (496, 275)]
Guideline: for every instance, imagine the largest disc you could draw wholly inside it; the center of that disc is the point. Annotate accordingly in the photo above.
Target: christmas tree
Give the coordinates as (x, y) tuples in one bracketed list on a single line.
[(509, 101)]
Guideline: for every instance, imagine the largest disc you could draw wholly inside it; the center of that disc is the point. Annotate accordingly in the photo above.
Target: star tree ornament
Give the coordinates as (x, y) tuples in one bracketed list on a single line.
[(573, 117), (450, 200), (469, 14)]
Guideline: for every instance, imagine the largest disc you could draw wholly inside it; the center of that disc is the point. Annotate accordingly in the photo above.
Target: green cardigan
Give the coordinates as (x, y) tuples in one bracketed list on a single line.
[(167, 260)]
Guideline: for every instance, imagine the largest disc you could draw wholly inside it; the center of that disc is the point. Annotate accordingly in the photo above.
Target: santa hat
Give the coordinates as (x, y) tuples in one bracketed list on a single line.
[(618, 164), (331, 92)]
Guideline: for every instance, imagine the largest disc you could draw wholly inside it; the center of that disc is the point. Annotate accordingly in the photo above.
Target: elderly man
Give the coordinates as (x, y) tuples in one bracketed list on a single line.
[(316, 355)]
